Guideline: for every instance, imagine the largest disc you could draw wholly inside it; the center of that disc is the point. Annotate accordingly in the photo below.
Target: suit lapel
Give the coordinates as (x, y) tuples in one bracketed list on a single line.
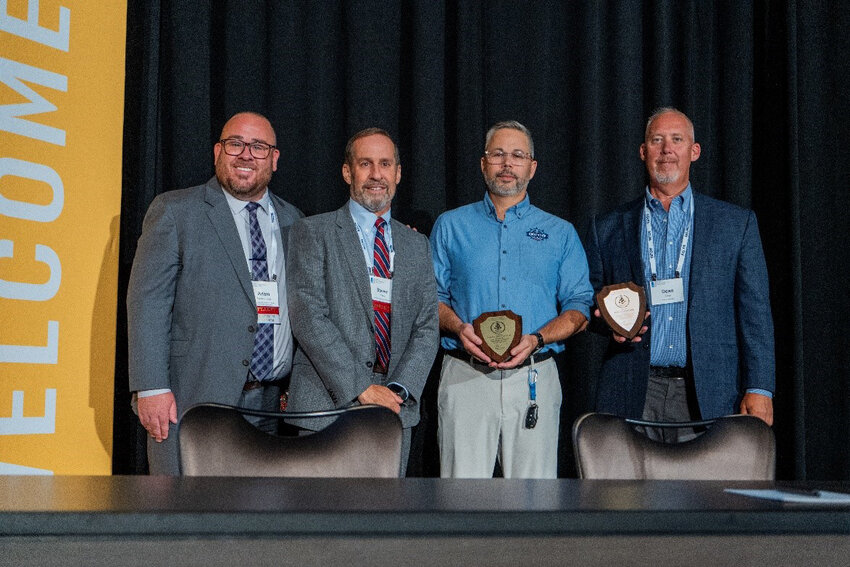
[(222, 221), (402, 270), (284, 230), (700, 243), (632, 238), (348, 242)]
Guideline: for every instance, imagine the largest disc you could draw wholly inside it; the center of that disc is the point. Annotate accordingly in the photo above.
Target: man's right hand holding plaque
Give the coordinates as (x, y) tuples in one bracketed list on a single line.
[(623, 307), (499, 331)]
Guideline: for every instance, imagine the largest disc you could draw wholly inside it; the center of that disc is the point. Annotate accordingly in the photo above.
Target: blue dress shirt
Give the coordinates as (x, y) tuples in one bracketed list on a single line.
[(365, 221), (531, 263), (669, 346)]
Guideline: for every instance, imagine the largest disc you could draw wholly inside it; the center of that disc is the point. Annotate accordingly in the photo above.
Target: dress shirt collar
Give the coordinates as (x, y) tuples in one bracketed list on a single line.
[(365, 218), (237, 205), (519, 209), (682, 201)]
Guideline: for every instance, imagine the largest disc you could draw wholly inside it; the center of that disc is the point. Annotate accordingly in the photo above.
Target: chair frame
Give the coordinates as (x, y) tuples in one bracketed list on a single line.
[(264, 447), (657, 460)]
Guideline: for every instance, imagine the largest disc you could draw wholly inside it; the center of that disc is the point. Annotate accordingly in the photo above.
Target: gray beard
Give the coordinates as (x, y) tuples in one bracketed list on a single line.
[(502, 191), (665, 179)]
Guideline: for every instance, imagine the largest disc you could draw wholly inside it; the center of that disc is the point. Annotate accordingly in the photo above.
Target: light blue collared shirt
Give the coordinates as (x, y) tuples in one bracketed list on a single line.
[(365, 221), (531, 263), (275, 256), (669, 346)]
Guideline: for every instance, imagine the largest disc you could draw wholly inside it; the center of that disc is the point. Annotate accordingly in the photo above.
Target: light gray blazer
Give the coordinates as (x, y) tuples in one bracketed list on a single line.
[(330, 308), (190, 305)]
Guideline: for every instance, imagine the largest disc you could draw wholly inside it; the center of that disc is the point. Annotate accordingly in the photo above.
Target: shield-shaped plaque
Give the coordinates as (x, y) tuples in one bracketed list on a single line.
[(500, 331), (623, 306)]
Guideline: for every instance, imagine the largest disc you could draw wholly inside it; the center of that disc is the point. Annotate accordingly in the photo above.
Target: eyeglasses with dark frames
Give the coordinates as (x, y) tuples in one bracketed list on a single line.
[(235, 147)]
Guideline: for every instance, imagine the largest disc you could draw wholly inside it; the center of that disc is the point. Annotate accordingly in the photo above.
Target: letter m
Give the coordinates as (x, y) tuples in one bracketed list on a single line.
[(13, 74)]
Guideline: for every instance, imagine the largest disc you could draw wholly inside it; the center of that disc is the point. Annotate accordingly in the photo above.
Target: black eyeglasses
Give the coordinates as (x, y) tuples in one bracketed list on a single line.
[(515, 158), (235, 146)]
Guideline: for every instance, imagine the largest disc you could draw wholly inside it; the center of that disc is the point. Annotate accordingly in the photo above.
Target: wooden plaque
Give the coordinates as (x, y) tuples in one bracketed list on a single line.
[(500, 331), (623, 306)]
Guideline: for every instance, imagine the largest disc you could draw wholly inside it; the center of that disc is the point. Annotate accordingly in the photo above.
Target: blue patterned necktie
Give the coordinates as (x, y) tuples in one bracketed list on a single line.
[(381, 269), (263, 355)]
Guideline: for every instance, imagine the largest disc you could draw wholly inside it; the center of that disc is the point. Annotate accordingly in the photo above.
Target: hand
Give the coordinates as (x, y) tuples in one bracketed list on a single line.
[(621, 338), (471, 343), (155, 412), (519, 353), (382, 396), (758, 405)]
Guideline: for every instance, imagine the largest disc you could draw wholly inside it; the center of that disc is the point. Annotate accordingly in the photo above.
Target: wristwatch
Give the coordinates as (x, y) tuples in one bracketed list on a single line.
[(540, 343)]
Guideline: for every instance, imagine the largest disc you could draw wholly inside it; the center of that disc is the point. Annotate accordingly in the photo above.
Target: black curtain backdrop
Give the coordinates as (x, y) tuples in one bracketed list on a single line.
[(765, 83)]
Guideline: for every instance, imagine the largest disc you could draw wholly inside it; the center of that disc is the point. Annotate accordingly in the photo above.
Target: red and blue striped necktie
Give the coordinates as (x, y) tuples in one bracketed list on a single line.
[(381, 269)]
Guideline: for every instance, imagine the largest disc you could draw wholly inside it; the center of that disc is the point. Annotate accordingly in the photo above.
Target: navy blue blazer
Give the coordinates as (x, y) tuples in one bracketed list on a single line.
[(730, 327)]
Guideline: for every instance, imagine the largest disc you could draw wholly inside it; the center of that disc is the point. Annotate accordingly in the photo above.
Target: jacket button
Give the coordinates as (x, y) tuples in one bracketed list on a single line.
[(645, 346), (251, 328), (246, 362), (368, 365)]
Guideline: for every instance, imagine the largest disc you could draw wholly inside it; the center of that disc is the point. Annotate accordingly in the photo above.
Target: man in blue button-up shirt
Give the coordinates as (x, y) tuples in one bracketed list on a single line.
[(498, 254), (708, 350)]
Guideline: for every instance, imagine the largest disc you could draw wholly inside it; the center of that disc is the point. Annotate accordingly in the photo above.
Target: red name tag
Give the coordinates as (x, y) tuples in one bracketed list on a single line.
[(268, 310)]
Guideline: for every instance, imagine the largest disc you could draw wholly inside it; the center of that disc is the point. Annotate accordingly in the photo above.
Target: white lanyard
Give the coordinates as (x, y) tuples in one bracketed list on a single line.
[(683, 249), (369, 252)]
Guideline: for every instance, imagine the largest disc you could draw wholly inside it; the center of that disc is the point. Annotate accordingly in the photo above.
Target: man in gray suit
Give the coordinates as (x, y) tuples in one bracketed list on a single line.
[(362, 296), (197, 331)]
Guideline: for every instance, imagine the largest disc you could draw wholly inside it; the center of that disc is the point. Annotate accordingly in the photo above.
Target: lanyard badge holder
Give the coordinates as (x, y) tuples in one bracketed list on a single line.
[(531, 414)]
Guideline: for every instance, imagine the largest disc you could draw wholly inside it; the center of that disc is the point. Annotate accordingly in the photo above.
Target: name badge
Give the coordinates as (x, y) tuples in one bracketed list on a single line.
[(268, 306), (667, 291), (382, 293)]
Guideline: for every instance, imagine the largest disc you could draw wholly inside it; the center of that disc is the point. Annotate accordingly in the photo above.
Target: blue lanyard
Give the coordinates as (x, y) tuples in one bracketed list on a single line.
[(532, 382)]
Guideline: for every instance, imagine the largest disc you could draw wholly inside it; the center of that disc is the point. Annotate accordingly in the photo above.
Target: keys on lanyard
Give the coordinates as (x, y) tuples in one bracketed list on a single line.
[(531, 414)]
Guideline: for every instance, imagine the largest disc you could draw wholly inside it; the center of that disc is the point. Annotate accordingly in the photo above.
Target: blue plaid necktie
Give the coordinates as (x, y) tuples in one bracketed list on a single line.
[(263, 355), (381, 269)]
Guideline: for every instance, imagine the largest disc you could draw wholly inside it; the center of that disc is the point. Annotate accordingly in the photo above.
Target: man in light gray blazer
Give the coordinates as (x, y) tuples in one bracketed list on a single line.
[(339, 303), (191, 307)]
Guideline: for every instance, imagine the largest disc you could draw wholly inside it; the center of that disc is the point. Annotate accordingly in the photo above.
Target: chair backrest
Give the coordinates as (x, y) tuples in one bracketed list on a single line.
[(363, 441), (735, 447)]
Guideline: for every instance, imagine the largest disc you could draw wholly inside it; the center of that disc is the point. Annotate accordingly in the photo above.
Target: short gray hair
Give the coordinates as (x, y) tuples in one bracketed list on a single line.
[(665, 110), (509, 125)]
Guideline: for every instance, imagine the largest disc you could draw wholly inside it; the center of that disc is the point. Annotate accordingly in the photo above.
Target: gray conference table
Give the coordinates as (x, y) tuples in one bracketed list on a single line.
[(137, 520)]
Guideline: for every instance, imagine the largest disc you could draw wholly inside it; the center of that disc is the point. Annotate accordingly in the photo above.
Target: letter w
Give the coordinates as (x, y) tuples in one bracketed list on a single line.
[(12, 74)]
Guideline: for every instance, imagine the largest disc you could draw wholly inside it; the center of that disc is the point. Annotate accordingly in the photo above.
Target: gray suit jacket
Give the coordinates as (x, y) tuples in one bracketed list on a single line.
[(190, 304), (330, 307)]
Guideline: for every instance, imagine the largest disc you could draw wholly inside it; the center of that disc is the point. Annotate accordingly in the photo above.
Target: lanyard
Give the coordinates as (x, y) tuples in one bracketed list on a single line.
[(369, 252), (683, 249)]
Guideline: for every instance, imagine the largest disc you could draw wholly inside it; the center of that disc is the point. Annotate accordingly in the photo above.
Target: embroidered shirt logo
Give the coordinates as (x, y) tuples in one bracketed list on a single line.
[(537, 234)]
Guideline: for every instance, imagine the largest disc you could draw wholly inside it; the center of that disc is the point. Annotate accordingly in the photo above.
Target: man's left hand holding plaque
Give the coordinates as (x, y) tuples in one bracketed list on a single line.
[(500, 332)]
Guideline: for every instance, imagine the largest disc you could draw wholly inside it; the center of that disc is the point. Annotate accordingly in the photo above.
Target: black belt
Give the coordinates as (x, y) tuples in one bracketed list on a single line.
[(466, 357), (254, 384), (668, 371)]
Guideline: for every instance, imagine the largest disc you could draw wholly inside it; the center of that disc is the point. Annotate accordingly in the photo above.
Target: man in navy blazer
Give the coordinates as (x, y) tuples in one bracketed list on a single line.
[(707, 349)]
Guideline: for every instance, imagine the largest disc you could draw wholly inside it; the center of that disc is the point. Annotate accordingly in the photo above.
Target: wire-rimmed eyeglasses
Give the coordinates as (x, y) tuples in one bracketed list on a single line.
[(498, 157)]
